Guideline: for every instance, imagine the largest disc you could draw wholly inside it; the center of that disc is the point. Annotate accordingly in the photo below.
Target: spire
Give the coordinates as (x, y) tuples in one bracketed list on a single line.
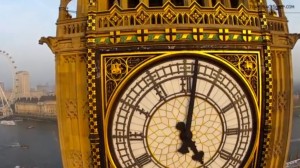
[(280, 7), (116, 2)]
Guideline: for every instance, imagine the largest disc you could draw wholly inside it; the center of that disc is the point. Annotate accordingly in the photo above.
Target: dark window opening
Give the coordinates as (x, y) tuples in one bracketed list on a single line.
[(111, 3), (133, 3), (201, 2), (177, 2), (213, 2), (234, 3), (155, 3)]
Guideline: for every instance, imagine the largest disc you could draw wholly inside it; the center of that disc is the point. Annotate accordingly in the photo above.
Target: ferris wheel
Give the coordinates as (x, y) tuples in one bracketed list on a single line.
[(7, 98)]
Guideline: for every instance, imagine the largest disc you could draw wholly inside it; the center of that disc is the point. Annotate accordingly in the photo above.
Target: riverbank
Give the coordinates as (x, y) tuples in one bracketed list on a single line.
[(30, 117)]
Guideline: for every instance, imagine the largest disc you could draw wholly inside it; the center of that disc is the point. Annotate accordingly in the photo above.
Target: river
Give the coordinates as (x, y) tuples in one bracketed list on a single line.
[(30, 144), (35, 144), (295, 138)]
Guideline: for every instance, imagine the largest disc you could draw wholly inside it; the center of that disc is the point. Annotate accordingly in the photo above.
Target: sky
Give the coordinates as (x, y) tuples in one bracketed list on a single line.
[(24, 22)]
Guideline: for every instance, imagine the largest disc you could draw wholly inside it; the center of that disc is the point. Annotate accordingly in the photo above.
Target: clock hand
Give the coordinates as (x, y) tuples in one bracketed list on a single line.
[(186, 138), (185, 128), (192, 98)]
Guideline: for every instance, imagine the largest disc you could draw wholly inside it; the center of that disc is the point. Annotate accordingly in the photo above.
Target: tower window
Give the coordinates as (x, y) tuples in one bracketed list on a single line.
[(133, 3), (155, 3), (201, 2), (178, 2), (111, 3), (213, 2), (234, 3)]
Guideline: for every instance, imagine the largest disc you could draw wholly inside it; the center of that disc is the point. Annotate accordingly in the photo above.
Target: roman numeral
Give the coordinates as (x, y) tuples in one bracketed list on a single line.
[(185, 84), (136, 136), (216, 75), (232, 131), (227, 108), (160, 91), (143, 159), (225, 155), (131, 106), (229, 156), (239, 101)]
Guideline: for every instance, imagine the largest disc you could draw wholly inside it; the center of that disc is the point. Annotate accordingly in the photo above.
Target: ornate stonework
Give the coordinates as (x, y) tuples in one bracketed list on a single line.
[(76, 158), (106, 42), (71, 108)]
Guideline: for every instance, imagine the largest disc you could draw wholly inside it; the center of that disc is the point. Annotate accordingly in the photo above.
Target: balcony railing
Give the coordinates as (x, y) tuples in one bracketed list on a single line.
[(72, 27), (277, 23), (192, 16)]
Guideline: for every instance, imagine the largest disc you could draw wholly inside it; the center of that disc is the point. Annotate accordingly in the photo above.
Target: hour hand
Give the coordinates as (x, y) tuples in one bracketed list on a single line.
[(198, 155), (184, 138), (187, 142)]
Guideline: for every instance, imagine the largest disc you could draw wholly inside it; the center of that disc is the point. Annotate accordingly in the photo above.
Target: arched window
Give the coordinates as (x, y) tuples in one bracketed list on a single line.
[(213, 2), (111, 3), (178, 2), (201, 2), (72, 8), (155, 2), (234, 3), (133, 3)]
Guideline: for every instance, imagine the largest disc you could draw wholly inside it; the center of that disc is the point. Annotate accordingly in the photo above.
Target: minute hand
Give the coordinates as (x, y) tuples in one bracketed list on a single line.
[(192, 97), (185, 129)]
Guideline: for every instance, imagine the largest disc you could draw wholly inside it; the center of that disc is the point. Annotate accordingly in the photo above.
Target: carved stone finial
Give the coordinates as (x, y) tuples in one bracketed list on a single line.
[(50, 41), (64, 13), (116, 2), (272, 12), (280, 8), (293, 38)]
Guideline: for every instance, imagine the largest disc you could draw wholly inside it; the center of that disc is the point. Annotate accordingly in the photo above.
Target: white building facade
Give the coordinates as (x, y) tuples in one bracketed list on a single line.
[(22, 84)]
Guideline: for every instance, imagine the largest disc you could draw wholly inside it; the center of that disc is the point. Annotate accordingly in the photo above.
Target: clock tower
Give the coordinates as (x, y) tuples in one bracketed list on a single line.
[(165, 83)]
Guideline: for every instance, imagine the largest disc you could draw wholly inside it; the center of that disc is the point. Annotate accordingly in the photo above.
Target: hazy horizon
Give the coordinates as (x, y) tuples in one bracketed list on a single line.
[(23, 25)]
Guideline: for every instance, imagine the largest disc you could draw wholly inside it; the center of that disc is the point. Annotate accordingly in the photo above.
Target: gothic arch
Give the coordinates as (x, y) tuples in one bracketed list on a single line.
[(155, 3)]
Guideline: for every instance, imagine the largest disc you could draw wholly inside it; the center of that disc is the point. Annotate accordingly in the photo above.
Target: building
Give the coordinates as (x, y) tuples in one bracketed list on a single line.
[(41, 90), (22, 84), (43, 107), (122, 65)]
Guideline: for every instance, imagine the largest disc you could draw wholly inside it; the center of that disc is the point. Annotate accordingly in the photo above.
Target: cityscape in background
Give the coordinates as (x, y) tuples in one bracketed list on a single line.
[(36, 102), (40, 101)]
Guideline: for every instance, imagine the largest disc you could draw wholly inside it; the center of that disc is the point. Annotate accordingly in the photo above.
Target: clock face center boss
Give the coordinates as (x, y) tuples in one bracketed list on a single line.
[(187, 111)]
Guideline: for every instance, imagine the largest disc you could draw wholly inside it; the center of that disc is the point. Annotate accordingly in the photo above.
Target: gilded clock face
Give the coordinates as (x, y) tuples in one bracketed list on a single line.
[(182, 112)]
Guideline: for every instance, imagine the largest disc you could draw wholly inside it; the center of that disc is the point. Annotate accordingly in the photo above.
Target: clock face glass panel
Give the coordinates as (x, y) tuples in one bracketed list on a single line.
[(142, 122)]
